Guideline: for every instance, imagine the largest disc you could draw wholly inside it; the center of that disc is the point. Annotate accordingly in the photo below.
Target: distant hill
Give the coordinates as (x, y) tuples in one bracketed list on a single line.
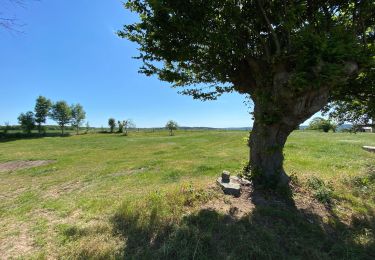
[(340, 128), (214, 128)]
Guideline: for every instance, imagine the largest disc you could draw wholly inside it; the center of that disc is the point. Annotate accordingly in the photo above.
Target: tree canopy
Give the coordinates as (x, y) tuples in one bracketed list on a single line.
[(42, 107), (356, 107), (112, 124), (171, 125), (61, 113), (127, 124), (320, 123), (78, 115), (233, 45), (27, 121)]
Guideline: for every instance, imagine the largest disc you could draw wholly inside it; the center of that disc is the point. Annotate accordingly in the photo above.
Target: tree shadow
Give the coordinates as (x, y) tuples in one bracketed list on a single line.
[(275, 229), (9, 137)]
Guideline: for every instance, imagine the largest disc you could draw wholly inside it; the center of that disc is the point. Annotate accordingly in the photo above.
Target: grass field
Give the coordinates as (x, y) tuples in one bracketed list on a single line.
[(139, 197)]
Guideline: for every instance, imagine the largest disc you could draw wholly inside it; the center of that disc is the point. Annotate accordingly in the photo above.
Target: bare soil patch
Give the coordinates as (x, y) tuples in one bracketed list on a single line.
[(17, 165), (130, 172), (238, 207), (65, 188), (17, 245)]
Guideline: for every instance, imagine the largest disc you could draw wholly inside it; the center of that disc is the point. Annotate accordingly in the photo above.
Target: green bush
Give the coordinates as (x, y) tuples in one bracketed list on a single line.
[(6, 128), (27, 121), (322, 191), (322, 124), (364, 185)]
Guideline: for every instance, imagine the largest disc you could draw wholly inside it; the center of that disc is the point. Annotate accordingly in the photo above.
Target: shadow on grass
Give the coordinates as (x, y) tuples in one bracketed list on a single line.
[(9, 137), (273, 230)]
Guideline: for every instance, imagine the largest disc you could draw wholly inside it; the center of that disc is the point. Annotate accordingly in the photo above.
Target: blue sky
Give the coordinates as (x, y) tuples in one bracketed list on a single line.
[(69, 51)]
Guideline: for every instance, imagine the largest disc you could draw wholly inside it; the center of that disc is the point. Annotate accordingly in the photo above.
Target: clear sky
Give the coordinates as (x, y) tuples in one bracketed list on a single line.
[(68, 50)]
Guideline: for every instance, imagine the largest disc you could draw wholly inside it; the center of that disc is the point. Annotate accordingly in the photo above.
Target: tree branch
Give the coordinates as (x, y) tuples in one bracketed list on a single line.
[(6, 21), (274, 35)]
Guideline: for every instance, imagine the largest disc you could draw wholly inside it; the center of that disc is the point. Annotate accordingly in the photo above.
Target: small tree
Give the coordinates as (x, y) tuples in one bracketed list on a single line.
[(171, 125), (27, 121), (87, 127), (120, 126), (42, 107), (127, 125), (322, 124), (78, 115), (112, 124), (62, 114), (6, 127)]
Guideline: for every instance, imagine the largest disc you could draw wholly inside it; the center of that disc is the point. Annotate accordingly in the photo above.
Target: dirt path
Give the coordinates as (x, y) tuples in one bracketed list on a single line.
[(17, 165)]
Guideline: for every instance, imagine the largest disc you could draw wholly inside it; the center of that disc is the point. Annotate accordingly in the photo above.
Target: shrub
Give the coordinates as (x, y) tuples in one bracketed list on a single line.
[(322, 124), (120, 126), (27, 121), (364, 185), (112, 124), (6, 127), (127, 124), (322, 191)]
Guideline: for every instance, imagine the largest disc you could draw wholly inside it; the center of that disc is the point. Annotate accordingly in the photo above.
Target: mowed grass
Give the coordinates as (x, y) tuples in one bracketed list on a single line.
[(137, 197)]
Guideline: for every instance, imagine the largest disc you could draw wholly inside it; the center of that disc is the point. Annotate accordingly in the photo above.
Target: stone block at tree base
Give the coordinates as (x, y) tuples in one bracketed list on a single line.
[(369, 148), (230, 188)]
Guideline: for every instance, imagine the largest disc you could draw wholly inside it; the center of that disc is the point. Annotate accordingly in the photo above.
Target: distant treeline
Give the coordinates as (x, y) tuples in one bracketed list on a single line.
[(99, 129), (46, 127), (66, 116)]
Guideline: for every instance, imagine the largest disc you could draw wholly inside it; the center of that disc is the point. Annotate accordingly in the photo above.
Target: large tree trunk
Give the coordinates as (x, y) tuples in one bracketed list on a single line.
[(280, 107), (274, 121), (266, 154), (267, 141)]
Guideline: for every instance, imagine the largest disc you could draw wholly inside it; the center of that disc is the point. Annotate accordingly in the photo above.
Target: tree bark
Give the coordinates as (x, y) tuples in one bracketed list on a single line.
[(266, 153), (273, 123)]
